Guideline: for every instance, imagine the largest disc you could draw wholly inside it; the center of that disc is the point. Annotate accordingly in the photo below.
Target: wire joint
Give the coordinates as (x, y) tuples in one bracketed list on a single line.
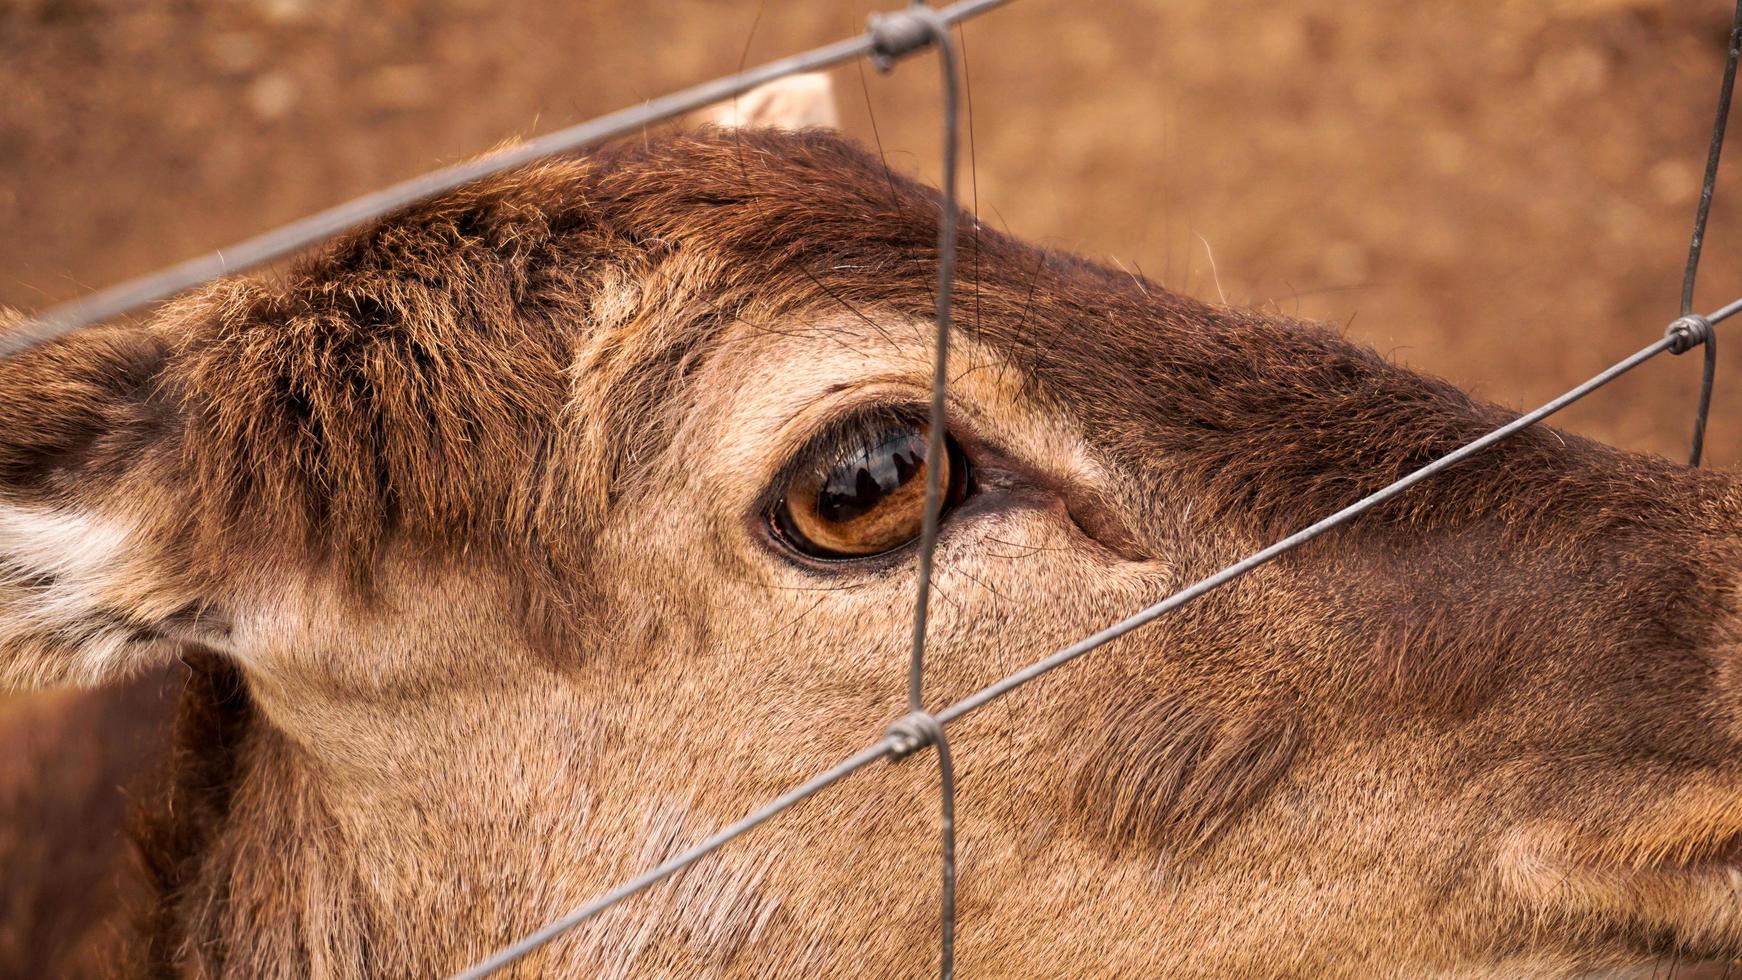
[(913, 732), (896, 35), (1688, 332)]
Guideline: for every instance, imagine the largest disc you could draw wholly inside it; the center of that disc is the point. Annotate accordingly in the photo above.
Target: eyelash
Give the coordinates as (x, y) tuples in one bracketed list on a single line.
[(831, 444), (843, 440)]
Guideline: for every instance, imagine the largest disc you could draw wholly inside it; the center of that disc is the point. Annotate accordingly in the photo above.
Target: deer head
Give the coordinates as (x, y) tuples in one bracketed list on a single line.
[(525, 537)]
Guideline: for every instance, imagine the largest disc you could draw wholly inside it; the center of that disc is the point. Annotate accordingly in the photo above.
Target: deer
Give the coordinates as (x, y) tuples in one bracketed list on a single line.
[(381, 611)]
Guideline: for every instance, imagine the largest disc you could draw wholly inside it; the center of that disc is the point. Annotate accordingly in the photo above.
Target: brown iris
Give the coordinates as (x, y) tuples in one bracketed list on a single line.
[(865, 494)]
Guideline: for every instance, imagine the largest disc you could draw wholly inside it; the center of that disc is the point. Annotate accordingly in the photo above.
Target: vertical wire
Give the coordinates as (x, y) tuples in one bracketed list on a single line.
[(936, 460), (935, 451), (947, 895), (1709, 368)]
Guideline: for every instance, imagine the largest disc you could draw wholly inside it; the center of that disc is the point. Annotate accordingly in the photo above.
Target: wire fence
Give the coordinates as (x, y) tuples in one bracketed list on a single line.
[(890, 37), (921, 729)]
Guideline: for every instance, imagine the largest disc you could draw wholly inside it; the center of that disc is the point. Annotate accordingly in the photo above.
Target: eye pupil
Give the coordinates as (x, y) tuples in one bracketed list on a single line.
[(867, 500), (851, 491)]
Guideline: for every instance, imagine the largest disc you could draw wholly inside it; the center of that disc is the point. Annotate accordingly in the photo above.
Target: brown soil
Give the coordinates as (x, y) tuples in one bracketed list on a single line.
[(1496, 191)]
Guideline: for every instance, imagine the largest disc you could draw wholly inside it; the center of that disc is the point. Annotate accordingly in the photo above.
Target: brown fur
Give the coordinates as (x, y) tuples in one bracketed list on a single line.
[(463, 510)]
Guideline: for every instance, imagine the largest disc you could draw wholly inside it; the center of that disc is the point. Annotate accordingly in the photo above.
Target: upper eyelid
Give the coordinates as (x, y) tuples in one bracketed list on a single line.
[(842, 438), (831, 430), (794, 435)]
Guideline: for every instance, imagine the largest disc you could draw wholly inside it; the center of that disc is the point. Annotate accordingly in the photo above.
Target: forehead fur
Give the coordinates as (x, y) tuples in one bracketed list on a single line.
[(484, 371), (481, 369)]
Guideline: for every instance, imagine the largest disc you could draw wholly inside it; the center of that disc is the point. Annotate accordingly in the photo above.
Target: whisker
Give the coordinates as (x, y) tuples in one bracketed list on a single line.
[(973, 162), (738, 128), (983, 365), (846, 587), (980, 582), (942, 594), (1128, 272), (1215, 276), (830, 293), (1030, 548), (794, 621), (1027, 308), (864, 86), (763, 330)]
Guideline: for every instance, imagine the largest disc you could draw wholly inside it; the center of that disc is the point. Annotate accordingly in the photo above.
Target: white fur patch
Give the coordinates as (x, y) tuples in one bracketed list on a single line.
[(55, 568)]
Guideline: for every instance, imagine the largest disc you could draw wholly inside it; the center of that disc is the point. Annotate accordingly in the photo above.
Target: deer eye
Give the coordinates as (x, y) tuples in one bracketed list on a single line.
[(861, 492)]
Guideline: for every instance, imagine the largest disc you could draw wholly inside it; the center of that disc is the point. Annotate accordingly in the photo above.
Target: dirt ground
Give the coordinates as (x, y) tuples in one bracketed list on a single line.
[(1496, 191)]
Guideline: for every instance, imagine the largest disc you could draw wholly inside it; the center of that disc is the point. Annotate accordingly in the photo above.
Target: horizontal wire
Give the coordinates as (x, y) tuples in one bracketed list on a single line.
[(125, 297), (889, 747)]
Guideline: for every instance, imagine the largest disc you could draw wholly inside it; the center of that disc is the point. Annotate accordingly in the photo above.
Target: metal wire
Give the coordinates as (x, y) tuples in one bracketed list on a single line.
[(913, 733), (928, 536), (1709, 368), (508, 955), (125, 297), (889, 39), (994, 691), (925, 729), (890, 745), (920, 728)]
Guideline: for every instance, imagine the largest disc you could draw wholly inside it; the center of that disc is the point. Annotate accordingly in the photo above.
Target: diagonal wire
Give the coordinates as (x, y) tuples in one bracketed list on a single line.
[(154, 287), (1710, 368), (508, 955), (919, 728), (1671, 341), (898, 742)]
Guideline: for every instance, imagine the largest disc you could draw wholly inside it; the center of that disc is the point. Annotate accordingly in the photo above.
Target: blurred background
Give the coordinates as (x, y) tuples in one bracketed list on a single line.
[(1498, 191)]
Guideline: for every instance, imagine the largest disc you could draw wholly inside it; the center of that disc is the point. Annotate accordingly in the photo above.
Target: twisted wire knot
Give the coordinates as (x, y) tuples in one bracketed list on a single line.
[(896, 35), (914, 732), (1688, 332)]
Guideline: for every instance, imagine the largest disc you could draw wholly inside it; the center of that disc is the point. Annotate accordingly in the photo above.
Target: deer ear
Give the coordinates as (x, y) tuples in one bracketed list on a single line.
[(88, 450), (794, 102)]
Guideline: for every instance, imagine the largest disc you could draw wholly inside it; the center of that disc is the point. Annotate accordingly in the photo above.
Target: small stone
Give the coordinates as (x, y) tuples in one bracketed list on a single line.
[(1674, 181), (272, 95)]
